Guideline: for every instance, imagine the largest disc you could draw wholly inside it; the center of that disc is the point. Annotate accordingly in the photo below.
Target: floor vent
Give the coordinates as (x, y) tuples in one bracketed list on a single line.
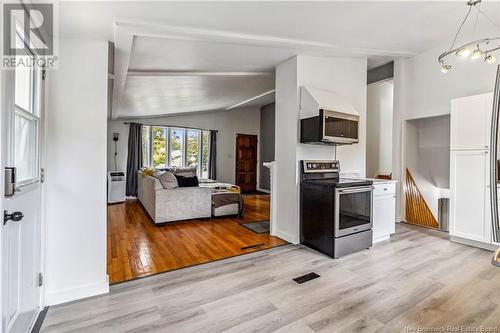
[(305, 278), (253, 245)]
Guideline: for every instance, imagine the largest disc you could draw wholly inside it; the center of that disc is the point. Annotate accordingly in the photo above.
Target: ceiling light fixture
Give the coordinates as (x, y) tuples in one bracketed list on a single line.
[(477, 53), (489, 59), (476, 48), (445, 68)]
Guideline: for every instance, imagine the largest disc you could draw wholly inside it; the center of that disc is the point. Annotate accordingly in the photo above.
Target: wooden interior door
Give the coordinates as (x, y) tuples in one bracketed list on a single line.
[(246, 162)]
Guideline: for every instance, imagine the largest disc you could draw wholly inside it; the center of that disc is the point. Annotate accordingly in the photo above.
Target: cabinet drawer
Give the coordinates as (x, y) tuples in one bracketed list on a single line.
[(384, 188)]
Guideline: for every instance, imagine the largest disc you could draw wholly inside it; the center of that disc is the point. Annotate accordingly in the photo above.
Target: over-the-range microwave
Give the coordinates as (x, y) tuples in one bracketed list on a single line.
[(330, 128)]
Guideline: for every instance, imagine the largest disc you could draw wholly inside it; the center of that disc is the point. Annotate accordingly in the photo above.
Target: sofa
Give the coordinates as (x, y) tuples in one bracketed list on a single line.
[(173, 204)]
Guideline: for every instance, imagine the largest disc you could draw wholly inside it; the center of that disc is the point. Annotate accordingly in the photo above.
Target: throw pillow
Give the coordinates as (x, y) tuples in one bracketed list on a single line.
[(158, 173), (187, 181), (148, 172), (168, 180), (186, 172), (166, 169)]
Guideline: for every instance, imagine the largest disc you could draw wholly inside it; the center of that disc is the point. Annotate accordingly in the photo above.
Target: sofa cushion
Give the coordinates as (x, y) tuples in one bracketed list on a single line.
[(187, 181), (168, 180)]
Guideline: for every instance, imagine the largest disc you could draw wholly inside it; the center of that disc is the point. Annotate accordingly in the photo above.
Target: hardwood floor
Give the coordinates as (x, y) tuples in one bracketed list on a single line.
[(418, 278), (138, 248), (257, 208)]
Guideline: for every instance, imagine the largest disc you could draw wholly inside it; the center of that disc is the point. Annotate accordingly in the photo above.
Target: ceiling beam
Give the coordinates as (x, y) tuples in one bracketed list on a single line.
[(250, 99), (123, 47), (187, 33), (167, 73)]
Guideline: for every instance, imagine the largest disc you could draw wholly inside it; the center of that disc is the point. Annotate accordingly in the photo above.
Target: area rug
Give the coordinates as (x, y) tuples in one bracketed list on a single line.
[(262, 227)]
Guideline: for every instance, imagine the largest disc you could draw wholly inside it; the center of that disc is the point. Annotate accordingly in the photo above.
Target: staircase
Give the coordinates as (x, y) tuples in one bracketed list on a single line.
[(416, 210)]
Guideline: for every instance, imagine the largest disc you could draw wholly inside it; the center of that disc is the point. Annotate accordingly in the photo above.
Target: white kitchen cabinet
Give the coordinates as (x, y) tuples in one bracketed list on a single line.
[(384, 210), (469, 196), (470, 122)]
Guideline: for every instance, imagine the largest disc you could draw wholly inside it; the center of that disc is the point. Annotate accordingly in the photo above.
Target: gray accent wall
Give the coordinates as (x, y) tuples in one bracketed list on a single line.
[(266, 144), (380, 73)]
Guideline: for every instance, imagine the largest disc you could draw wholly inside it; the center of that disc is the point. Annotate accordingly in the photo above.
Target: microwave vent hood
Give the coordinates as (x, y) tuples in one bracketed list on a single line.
[(327, 119)]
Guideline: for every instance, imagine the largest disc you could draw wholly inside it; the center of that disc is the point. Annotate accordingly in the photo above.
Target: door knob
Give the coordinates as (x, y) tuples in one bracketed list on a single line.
[(16, 217)]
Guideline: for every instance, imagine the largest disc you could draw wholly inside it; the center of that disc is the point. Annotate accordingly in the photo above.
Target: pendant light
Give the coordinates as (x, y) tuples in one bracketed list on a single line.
[(475, 49)]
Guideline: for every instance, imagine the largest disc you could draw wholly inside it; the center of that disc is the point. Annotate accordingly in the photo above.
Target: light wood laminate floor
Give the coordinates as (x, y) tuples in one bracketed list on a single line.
[(138, 248), (418, 278)]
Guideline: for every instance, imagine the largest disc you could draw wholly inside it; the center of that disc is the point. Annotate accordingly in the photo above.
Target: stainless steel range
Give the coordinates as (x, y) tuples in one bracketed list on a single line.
[(336, 214)]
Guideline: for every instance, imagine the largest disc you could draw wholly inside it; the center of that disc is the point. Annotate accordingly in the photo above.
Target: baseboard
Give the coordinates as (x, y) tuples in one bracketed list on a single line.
[(481, 245), (73, 294), (263, 190), (287, 237), (381, 239)]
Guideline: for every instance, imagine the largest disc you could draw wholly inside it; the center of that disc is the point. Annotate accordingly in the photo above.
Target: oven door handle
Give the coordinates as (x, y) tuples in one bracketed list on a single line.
[(356, 190)]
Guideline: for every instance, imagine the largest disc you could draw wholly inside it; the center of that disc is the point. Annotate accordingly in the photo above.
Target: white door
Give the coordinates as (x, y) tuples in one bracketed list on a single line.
[(469, 210), (21, 134), (470, 122)]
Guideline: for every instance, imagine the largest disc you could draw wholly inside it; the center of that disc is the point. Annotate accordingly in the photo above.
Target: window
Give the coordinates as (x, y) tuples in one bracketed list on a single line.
[(159, 152), (25, 138), (176, 147), (193, 148), (176, 151)]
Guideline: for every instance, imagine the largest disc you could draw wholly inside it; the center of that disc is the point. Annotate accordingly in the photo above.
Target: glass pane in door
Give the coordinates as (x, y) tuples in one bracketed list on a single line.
[(23, 88), (26, 147), (354, 209)]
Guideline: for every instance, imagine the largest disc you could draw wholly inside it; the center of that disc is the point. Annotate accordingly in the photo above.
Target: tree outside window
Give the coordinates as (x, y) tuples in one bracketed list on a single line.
[(176, 147), (193, 148), (159, 145)]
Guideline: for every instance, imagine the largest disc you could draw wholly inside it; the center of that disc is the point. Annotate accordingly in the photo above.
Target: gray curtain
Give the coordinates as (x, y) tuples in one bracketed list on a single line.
[(212, 161), (134, 157)]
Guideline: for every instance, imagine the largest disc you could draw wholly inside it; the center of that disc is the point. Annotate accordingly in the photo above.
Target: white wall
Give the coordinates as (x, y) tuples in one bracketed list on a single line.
[(228, 123), (344, 77), (427, 156), (379, 128), (421, 90), (285, 194), (76, 173), (347, 79)]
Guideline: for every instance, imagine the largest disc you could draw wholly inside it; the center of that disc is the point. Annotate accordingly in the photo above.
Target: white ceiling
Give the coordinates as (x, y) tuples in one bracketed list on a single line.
[(168, 37), (180, 94), (185, 55)]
